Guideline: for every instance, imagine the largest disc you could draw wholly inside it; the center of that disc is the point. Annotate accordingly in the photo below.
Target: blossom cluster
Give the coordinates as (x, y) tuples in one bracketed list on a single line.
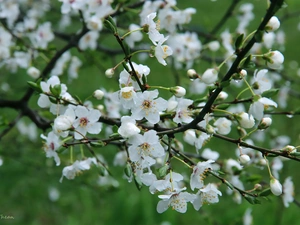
[(227, 99)]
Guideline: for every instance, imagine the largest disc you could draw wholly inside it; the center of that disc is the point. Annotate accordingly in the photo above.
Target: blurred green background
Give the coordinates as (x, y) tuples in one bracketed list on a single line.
[(30, 190)]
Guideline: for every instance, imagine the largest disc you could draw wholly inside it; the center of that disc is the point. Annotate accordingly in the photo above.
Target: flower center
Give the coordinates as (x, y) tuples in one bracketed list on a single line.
[(51, 146), (145, 146), (83, 121), (146, 104), (127, 94)]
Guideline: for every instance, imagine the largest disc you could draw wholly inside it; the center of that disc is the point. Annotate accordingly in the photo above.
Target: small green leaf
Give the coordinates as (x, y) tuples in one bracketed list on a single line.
[(225, 83), (250, 199), (35, 86), (162, 172), (53, 99), (55, 90), (265, 192), (98, 144), (270, 93), (102, 171), (114, 135), (126, 48), (144, 79), (138, 182), (128, 170), (259, 36), (223, 106), (77, 98), (255, 178), (295, 153), (110, 26), (239, 41), (115, 129)]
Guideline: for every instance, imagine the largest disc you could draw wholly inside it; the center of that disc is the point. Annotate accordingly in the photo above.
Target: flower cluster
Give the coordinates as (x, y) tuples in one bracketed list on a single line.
[(158, 121)]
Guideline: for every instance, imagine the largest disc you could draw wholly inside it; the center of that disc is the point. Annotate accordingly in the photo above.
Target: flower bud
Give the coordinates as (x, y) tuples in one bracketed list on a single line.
[(222, 96), (98, 94), (290, 149), (258, 187), (244, 159), (100, 107), (213, 46), (33, 72), (210, 76), (245, 120), (109, 72), (243, 73), (63, 122), (274, 59), (178, 91), (265, 123), (276, 187), (273, 24), (192, 74)]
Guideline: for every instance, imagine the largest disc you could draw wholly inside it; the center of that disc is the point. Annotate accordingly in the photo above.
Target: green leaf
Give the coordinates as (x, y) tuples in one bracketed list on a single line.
[(114, 135), (295, 153), (239, 41), (223, 106), (259, 36), (128, 170), (126, 48), (144, 79), (55, 90), (162, 172), (77, 98), (270, 93), (110, 26), (35, 86), (225, 83), (102, 171), (115, 129), (53, 99), (98, 144), (138, 182), (265, 192), (255, 178), (252, 200)]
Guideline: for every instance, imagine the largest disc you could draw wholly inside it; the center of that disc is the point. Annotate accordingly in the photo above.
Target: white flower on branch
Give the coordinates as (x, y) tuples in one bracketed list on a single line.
[(70, 172), (275, 186), (149, 106), (86, 122), (245, 120), (162, 51), (288, 192), (51, 145), (273, 24), (183, 113), (178, 201), (207, 195), (223, 125), (128, 127), (145, 147), (199, 173)]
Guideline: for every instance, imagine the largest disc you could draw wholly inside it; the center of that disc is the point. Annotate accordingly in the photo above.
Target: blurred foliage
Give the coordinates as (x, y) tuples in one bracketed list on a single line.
[(28, 177)]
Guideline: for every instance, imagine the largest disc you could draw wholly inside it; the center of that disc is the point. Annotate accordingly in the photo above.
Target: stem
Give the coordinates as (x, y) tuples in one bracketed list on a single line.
[(130, 32), (181, 161)]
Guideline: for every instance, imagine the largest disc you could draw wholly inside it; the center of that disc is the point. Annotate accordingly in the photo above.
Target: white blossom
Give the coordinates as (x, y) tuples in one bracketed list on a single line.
[(288, 192), (207, 195), (275, 186), (148, 106), (128, 127), (199, 173), (86, 122)]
